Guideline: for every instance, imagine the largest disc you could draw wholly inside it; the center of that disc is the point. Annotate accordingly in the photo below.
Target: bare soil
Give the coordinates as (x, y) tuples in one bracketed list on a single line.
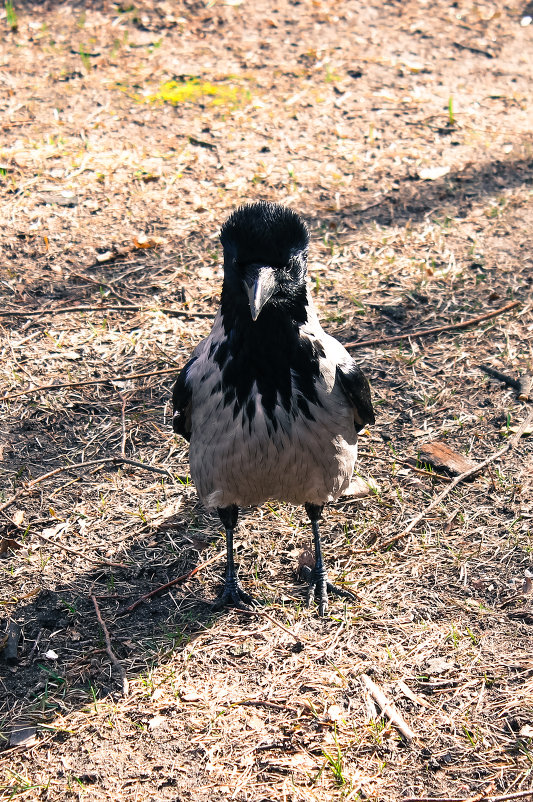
[(402, 133)]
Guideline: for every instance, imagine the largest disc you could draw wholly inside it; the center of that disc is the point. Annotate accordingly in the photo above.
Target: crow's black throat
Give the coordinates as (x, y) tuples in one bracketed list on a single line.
[(271, 353)]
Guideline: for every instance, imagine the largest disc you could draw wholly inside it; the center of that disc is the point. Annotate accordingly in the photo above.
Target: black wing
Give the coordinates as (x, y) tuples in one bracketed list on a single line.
[(182, 403), (356, 387)]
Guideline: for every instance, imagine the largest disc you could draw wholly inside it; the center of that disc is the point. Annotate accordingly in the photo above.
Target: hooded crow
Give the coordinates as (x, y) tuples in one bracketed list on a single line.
[(270, 403)]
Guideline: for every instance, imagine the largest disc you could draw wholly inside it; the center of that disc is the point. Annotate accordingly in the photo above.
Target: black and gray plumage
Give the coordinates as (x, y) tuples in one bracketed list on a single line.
[(270, 403)]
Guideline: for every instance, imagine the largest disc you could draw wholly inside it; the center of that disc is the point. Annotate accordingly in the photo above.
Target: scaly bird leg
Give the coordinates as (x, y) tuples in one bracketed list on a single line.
[(318, 577), (232, 594)]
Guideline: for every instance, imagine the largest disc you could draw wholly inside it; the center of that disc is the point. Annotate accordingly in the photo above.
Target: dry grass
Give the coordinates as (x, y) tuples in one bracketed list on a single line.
[(336, 109)]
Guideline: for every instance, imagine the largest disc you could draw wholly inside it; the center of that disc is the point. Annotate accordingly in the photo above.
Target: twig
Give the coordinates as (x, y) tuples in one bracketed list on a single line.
[(264, 703), (387, 707), (98, 308), (176, 581), (522, 384), (138, 464), (502, 798), (123, 422), (476, 50), (517, 795), (501, 376), (511, 443), (43, 387), (437, 330), (109, 649)]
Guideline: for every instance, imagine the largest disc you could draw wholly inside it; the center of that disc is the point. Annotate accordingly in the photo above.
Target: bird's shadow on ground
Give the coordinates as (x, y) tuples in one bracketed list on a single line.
[(62, 652), (62, 663)]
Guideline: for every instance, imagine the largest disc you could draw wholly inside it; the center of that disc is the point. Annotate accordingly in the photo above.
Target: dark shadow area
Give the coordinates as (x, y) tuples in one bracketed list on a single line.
[(453, 195), (63, 618)]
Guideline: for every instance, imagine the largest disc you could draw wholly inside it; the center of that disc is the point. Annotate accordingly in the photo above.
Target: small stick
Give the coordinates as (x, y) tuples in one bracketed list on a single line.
[(502, 798), (109, 649), (501, 376), (511, 443), (437, 330), (138, 464), (123, 422), (42, 387), (525, 388), (109, 307), (176, 581), (523, 384), (263, 703), (387, 707)]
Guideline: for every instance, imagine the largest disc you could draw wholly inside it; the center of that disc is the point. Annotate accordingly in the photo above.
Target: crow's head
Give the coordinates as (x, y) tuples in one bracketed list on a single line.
[(265, 255)]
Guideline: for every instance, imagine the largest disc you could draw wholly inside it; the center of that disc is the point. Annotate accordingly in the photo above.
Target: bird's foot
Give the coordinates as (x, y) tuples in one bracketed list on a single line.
[(233, 596), (319, 587)]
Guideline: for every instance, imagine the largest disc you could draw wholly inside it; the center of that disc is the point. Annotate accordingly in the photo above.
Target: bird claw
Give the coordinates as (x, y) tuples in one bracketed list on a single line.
[(318, 587), (234, 596)]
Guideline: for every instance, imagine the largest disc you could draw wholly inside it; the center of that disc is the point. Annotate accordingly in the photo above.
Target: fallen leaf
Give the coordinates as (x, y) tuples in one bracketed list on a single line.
[(18, 517), (8, 544), (52, 531), (414, 66), (142, 241), (335, 713), (526, 731), (242, 649), (255, 722), (515, 427), (51, 655), (439, 455), (23, 735), (64, 198), (155, 722), (432, 173), (189, 695), (106, 256), (437, 665), (297, 761)]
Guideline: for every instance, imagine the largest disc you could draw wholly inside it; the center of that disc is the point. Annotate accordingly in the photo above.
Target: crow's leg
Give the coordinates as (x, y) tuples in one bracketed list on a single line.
[(318, 577), (232, 594)]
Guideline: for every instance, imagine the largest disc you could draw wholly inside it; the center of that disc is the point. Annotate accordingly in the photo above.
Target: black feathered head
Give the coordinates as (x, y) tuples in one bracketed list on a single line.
[(265, 255)]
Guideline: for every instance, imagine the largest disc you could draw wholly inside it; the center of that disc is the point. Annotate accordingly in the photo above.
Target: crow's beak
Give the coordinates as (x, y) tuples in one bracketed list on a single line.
[(260, 283)]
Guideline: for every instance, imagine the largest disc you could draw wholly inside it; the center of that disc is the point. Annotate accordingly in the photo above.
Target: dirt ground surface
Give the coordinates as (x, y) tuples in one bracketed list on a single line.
[(402, 132)]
